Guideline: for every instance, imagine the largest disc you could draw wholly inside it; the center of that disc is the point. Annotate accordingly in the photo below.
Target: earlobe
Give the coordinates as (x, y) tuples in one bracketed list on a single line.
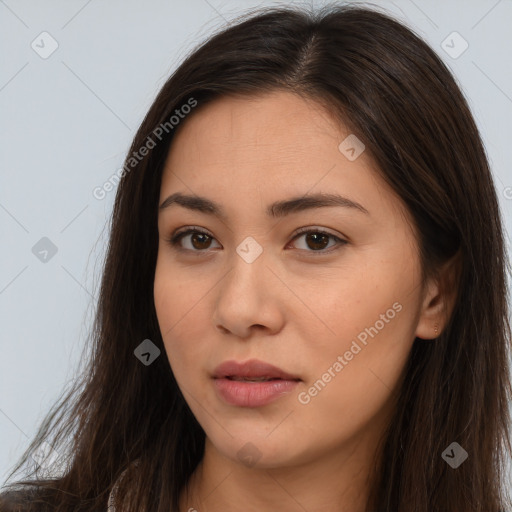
[(432, 319), (439, 301)]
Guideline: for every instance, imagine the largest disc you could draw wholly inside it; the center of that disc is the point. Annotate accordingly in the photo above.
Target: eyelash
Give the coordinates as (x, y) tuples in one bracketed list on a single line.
[(175, 239)]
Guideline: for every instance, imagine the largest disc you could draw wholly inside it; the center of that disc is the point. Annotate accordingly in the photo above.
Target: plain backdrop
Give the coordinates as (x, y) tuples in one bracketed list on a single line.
[(76, 79)]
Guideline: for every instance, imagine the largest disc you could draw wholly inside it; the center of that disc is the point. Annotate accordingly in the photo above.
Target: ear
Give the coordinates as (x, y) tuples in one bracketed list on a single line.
[(439, 300)]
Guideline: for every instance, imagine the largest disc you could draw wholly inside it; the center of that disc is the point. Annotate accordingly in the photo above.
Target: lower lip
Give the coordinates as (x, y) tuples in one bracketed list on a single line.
[(253, 394)]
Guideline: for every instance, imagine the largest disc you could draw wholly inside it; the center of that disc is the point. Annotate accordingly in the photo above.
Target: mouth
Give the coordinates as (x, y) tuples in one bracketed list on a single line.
[(254, 379), (252, 383), (252, 371), (252, 393)]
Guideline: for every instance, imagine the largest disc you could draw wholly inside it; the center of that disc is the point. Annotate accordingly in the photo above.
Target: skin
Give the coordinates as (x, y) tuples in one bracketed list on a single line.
[(292, 307)]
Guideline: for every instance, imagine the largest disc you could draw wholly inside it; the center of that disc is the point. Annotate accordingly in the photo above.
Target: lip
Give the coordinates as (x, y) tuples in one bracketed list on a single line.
[(253, 368), (252, 394)]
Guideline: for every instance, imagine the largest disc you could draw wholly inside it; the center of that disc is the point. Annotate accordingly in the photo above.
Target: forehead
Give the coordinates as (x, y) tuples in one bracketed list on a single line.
[(274, 145), (277, 127)]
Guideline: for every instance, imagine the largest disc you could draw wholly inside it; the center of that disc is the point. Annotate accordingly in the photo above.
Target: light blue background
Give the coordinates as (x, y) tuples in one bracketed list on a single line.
[(67, 121)]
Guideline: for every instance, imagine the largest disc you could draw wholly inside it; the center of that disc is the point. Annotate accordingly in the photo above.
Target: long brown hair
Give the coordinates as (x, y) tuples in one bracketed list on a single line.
[(384, 82)]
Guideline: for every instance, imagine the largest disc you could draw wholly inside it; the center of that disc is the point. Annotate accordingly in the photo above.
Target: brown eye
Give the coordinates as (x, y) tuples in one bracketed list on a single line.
[(317, 240), (200, 241)]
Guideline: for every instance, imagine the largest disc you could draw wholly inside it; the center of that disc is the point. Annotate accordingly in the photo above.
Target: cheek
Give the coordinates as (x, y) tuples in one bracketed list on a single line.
[(176, 294), (351, 299), (370, 313), (181, 310), (351, 381)]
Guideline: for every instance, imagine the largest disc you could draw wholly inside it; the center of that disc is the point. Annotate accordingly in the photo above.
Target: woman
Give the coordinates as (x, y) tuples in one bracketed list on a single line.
[(303, 305)]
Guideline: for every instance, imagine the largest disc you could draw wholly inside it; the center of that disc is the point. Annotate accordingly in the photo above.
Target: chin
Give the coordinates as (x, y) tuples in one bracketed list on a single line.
[(258, 452)]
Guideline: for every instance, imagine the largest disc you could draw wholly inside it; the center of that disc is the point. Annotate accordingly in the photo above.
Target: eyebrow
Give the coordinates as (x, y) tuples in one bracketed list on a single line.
[(275, 210)]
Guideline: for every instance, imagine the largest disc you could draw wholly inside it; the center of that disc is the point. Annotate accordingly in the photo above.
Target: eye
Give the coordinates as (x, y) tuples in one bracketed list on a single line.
[(200, 240), (316, 240)]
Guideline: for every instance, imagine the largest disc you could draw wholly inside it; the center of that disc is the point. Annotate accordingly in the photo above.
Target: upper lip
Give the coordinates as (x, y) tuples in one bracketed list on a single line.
[(251, 369)]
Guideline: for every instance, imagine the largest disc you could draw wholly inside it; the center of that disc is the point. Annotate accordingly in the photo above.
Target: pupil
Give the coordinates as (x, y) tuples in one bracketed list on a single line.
[(199, 235), (315, 237)]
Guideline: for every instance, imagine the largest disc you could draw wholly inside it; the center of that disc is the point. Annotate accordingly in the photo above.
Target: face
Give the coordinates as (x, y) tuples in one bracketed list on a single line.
[(335, 308)]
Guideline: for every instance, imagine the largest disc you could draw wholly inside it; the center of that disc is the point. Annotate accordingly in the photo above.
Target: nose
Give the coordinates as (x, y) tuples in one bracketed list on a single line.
[(250, 297)]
